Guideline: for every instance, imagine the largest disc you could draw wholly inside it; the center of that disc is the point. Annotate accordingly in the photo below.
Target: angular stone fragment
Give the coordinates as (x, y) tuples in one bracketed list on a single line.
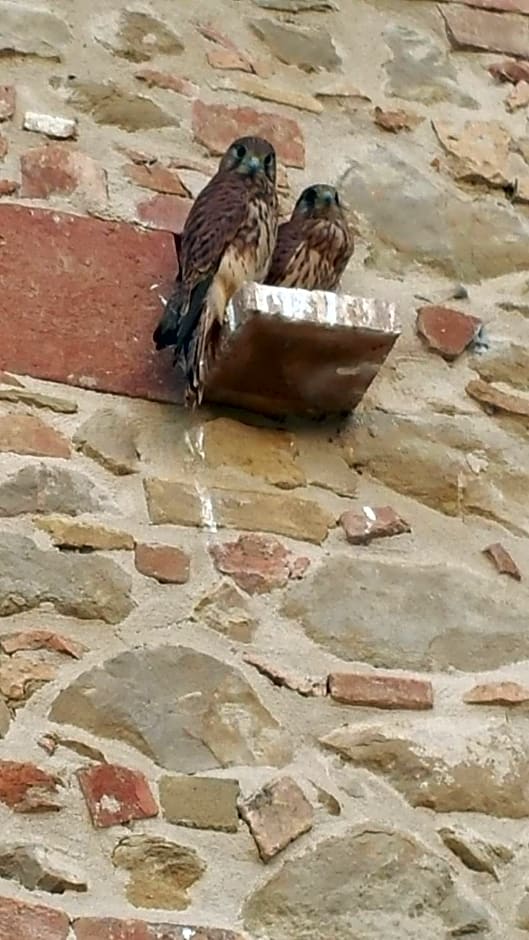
[(7, 102), (109, 438), (37, 867), (228, 59), (200, 802), (69, 533), (395, 121), (8, 187), (164, 563), (510, 70), (226, 610), (28, 30), (187, 711), (307, 48), (261, 88), (136, 35), (483, 31), (497, 693), (518, 97), (155, 79), (447, 331), (276, 815), (478, 152), (472, 850), (216, 126), (158, 178), (258, 564), (26, 788), (51, 126), (41, 639), (328, 349), (165, 212), (21, 921), (27, 396), (188, 504), (342, 887), (284, 679), (21, 676), (372, 523), (116, 795), (90, 588), (110, 104), (161, 871), (27, 434), (420, 69), (376, 691), (109, 928), (260, 452), (503, 561), (496, 399), (56, 169)]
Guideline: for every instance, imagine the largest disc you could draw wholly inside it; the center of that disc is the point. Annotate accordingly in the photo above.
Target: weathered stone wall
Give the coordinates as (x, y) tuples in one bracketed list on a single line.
[(199, 662)]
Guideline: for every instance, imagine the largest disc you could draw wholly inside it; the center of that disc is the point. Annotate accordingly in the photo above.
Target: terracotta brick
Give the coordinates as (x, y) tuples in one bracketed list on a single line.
[(217, 125), (276, 815), (115, 795), (55, 168), (8, 187), (42, 640), (165, 212), (447, 331), (497, 693), (155, 79), (73, 270), (156, 177), (20, 921), (375, 691), (26, 788), (26, 434), (7, 102), (505, 564), (109, 928), (372, 523), (258, 563), (165, 563)]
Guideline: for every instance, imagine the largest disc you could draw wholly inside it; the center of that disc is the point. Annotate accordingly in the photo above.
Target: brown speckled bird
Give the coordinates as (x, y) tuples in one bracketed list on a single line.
[(228, 239), (314, 246)]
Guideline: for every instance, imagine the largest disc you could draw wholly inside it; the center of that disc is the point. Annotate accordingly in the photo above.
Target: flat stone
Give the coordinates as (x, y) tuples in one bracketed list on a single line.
[(447, 331), (483, 31), (372, 523), (216, 126), (50, 125), (226, 610), (486, 774), (161, 872), (259, 452), (385, 184), (478, 152), (37, 867), (109, 928), (176, 503), (39, 488), (27, 434), (168, 81), (113, 351), (78, 534), (91, 588), (7, 102), (376, 691), (277, 815), (26, 788), (56, 169), (260, 88), (503, 561), (109, 104), (164, 563), (200, 802), (230, 59), (258, 564), (21, 921), (136, 35), (116, 795), (185, 710), (27, 30), (324, 466), (165, 212), (472, 850), (5, 718), (282, 678), (7, 379), (408, 616), (156, 177), (26, 396), (497, 693), (310, 49), (42, 640), (344, 881), (498, 400), (397, 120), (518, 97), (510, 70), (21, 676), (108, 437), (420, 68), (337, 340)]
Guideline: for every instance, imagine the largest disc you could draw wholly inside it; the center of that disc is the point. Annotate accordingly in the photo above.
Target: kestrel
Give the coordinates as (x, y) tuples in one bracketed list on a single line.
[(314, 246), (228, 238)]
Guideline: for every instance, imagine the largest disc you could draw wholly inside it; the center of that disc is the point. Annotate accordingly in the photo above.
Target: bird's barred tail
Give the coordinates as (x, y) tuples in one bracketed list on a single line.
[(166, 333), (200, 357)]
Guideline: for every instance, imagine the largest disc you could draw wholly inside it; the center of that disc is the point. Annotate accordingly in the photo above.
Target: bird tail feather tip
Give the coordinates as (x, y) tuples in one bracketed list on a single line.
[(201, 356), (166, 333)]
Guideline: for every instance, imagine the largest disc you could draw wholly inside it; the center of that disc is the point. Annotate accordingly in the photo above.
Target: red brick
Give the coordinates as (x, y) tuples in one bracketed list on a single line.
[(116, 795), (258, 563), (8, 187), (155, 79), (42, 640), (447, 331), (503, 561), (74, 270), (26, 434), (165, 563), (26, 788), (276, 815), (20, 921), (497, 693), (109, 928), (484, 31), (375, 691), (7, 102), (56, 168), (158, 178), (216, 126), (372, 523), (168, 213)]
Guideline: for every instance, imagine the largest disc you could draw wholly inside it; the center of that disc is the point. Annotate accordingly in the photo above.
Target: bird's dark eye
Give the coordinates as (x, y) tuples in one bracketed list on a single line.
[(336, 199), (240, 152), (310, 196), (269, 160)]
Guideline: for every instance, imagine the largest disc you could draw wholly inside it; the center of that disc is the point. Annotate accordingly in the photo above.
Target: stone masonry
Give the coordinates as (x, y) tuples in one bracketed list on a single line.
[(263, 681)]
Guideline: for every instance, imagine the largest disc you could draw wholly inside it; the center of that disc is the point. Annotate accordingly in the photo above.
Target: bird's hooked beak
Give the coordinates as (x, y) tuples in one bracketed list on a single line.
[(253, 165), (328, 198)]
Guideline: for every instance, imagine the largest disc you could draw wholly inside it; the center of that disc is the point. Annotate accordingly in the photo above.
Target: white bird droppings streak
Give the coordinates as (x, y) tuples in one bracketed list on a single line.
[(369, 513)]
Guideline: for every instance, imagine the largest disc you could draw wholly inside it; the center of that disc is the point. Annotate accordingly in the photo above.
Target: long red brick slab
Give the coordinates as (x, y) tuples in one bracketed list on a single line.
[(78, 302)]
